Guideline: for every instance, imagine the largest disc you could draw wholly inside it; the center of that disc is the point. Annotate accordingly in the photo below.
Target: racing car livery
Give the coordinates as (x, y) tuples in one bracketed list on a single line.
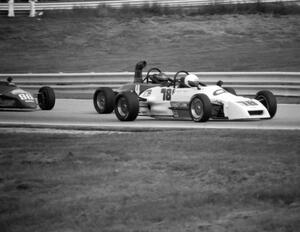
[(182, 98), (11, 96)]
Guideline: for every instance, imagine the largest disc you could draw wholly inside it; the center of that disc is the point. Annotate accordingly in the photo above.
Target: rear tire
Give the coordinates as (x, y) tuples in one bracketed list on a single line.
[(268, 99), (230, 90), (104, 100), (46, 98), (127, 106), (200, 108)]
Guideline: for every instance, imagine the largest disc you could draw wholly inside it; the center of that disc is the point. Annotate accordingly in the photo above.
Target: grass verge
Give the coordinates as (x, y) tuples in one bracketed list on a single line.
[(150, 10), (194, 43), (207, 180)]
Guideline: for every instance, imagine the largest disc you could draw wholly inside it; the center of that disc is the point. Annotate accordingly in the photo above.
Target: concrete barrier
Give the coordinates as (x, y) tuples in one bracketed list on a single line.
[(246, 83)]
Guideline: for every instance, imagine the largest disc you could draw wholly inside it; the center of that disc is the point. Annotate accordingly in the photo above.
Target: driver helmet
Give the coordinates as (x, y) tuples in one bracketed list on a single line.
[(191, 80), (162, 77)]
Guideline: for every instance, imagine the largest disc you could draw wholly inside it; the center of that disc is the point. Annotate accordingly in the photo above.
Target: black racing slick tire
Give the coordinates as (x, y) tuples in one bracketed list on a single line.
[(127, 106), (230, 90), (200, 108), (46, 98), (104, 100), (268, 99)]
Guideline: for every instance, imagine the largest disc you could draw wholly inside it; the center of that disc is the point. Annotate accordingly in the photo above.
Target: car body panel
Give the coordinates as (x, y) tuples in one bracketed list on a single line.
[(135, 87), (174, 102)]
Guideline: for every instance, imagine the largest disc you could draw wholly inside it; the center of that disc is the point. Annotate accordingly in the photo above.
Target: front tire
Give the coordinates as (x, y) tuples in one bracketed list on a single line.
[(268, 99), (104, 100), (127, 106), (200, 108), (46, 98)]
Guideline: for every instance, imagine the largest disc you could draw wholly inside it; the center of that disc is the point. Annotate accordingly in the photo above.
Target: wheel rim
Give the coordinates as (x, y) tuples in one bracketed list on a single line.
[(263, 101), (197, 109), (122, 107), (101, 101)]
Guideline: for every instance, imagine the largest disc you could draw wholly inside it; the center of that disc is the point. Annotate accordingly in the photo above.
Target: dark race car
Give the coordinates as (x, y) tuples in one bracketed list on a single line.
[(13, 97)]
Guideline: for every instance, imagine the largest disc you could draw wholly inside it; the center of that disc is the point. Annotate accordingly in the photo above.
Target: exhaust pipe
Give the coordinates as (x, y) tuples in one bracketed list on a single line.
[(138, 74)]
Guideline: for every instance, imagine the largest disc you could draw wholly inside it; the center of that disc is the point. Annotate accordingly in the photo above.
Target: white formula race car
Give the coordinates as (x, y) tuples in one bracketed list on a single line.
[(184, 98)]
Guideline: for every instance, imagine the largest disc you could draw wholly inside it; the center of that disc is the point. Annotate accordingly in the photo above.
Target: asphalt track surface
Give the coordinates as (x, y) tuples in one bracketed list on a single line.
[(80, 114)]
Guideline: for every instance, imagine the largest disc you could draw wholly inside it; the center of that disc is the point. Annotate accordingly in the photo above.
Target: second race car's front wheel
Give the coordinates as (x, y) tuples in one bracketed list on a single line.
[(46, 98), (127, 106), (268, 99), (200, 108), (104, 100)]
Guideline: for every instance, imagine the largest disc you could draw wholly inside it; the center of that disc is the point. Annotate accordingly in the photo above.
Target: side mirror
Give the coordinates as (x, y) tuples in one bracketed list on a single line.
[(9, 79), (220, 83)]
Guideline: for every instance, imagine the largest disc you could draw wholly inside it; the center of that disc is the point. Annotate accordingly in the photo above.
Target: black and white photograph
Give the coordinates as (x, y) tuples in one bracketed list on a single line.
[(149, 115)]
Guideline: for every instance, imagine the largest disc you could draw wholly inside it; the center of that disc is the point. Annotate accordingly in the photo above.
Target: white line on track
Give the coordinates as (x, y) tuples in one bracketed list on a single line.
[(57, 131)]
